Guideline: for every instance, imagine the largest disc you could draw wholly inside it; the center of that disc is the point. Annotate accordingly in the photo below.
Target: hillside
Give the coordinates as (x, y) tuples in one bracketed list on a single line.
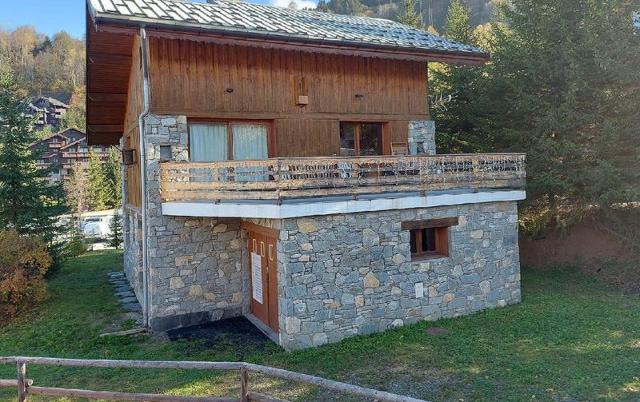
[(434, 12)]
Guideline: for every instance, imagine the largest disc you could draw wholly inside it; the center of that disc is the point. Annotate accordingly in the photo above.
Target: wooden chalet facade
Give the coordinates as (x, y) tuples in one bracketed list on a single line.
[(59, 152), (281, 165), (46, 111)]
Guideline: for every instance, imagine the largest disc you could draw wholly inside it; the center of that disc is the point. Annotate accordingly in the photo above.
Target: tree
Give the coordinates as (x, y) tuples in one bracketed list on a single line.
[(98, 185), (76, 187), (75, 116), (456, 103), (115, 231), (348, 7), (409, 16), (113, 178), (28, 204), (562, 86)]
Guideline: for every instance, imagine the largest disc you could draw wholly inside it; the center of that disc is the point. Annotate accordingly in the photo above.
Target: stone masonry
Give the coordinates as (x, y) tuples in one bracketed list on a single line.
[(338, 275), (345, 275), (195, 263), (422, 137)]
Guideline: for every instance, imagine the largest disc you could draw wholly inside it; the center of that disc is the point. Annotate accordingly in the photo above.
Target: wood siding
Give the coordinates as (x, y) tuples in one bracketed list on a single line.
[(204, 80), (131, 138)]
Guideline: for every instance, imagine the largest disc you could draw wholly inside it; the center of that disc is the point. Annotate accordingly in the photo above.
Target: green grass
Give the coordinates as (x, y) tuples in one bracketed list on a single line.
[(572, 338)]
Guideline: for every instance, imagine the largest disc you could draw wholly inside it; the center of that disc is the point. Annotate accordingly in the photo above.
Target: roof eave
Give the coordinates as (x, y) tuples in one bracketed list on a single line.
[(439, 55)]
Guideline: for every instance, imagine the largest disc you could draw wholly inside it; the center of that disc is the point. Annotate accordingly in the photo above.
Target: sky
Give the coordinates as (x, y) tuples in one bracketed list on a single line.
[(51, 16)]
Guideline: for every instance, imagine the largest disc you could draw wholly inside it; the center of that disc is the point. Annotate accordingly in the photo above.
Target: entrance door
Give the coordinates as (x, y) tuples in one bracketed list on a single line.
[(263, 271)]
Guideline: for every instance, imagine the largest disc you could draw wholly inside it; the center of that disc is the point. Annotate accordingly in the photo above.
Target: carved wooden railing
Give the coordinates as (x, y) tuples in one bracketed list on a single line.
[(280, 178)]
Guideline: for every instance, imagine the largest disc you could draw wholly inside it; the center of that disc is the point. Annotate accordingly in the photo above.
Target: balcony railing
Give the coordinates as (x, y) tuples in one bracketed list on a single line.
[(282, 178)]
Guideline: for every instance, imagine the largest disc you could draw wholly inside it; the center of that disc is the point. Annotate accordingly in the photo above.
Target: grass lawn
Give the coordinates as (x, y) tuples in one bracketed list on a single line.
[(572, 338)]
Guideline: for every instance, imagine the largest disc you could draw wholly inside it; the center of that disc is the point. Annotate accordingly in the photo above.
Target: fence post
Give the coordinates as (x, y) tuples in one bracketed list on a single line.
[(244, 385), (22, 381)]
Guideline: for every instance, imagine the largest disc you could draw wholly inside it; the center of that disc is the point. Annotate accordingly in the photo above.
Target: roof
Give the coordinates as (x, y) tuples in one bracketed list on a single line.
[(277, 23), (51, 101), (58, 134)]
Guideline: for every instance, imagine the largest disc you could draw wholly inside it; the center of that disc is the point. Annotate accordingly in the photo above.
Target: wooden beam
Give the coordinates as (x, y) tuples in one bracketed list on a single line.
[(121, 396), (429, 223), (105, 128), (107, 97)]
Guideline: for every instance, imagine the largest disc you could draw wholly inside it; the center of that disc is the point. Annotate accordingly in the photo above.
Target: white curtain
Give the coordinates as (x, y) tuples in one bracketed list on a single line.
[(250, 143), (207, 142)]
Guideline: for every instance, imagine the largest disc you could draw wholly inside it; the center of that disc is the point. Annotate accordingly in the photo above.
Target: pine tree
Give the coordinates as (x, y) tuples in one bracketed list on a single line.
[(98, 184), (113, 178), (409, 16), (28, 203), (115, 231), (456, 117)]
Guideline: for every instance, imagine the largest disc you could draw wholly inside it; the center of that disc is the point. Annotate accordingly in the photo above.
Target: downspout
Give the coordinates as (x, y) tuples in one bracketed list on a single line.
[(143, 176)]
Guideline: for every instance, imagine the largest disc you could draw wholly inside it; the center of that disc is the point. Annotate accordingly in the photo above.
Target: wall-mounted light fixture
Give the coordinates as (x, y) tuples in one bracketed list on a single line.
[(359, 96), (229, 90)]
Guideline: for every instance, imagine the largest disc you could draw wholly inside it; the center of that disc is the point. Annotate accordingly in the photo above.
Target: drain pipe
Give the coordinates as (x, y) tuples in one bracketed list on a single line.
[(143, 175)]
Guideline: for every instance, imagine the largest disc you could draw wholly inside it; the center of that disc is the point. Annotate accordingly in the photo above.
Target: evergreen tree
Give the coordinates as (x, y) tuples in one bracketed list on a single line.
[(98, 189), (562, 86), (322, 6), (113, 177), (27, 203), (409, 16), (456, 88), (348, 7), (115, 231)]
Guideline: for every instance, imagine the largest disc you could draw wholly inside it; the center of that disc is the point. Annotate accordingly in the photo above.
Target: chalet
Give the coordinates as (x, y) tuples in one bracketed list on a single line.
[(281, 165), (46, 111), (60, 151)]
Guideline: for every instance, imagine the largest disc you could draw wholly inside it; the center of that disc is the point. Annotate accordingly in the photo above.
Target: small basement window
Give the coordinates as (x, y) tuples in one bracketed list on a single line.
[(429, 238)]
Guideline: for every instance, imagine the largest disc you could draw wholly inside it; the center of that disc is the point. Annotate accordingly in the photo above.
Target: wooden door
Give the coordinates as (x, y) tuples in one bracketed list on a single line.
[(263, 266)]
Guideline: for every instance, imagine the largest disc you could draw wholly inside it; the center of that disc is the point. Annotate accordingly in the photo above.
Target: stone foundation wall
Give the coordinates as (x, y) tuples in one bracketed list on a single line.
[(132, 246), (195, 263), (346, 275)]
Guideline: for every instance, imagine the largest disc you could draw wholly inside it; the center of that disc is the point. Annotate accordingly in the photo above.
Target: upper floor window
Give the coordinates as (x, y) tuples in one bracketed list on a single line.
[(219, 141), (361, 139)]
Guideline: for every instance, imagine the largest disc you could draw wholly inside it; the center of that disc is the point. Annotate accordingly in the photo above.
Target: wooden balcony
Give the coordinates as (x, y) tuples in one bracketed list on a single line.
[(287, 178)]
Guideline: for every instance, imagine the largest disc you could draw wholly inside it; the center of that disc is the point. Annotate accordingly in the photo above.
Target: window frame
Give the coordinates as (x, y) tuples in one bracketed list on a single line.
[(271, 140), (441, 232), (357, 135)]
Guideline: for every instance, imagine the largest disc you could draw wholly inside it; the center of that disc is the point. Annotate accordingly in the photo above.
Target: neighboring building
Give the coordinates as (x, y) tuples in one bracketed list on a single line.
[(60, 151), (47, 111), (291, 172)]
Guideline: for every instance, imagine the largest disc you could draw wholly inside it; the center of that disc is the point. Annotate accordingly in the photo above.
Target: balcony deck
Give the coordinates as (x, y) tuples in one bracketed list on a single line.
[(279, 179)]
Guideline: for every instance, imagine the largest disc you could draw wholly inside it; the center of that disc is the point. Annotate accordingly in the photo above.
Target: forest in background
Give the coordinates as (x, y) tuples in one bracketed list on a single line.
[(49, 66)]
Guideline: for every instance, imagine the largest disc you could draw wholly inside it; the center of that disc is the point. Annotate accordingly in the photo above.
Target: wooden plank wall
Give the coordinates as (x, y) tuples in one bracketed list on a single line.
[(204, 80), (131, 139)]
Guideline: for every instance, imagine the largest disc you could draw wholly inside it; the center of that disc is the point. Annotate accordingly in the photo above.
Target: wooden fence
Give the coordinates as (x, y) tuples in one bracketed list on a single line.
[(280, 178), (26, 387)]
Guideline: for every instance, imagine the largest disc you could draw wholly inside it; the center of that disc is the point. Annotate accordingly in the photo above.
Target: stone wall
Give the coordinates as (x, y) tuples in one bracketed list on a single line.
[(132, 246), (422, 137), (345, 275), (195, 263)]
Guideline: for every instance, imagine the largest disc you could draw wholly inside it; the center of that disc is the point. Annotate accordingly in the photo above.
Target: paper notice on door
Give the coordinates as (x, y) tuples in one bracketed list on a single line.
[(256, 277)]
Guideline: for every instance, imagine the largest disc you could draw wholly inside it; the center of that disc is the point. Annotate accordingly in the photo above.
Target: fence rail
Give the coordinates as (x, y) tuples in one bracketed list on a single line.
[(25, 386), (280, 178)]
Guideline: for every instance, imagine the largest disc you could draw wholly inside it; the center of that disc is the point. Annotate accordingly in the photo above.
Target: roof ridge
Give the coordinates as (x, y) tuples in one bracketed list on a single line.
[(275, 23)]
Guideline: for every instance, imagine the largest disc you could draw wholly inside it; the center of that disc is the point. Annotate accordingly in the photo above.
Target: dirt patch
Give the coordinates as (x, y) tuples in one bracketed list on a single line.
[(589, 246), (237, 334)]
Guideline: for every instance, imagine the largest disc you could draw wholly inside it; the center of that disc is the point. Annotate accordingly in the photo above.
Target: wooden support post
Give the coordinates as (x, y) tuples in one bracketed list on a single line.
[(22, 381), (244, 385)]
